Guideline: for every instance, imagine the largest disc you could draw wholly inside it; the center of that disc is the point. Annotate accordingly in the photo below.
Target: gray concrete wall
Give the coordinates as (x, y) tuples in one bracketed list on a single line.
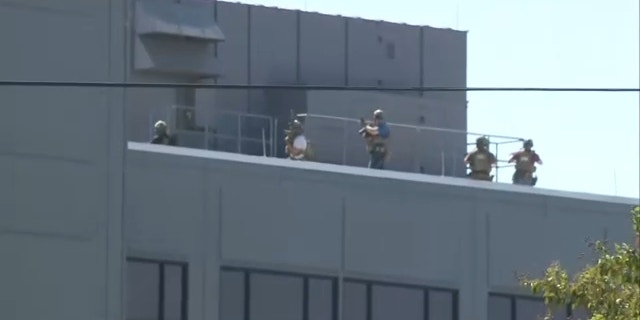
[(213, 209), (267, 45), (61, 156), (275, 46)]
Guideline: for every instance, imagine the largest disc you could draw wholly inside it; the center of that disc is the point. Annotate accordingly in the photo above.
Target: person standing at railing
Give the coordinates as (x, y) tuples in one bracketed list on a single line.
[(161, 135), (376, 134), (481, 161), (525, 161), (295, 141)]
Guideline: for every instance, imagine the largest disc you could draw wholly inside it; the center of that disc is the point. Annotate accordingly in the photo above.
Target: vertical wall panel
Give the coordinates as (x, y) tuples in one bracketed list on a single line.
[(445, 65), (60, 241), (233, 54), (445, 57), (273, 46), (424, 233), (322, 49), (400, 63), (365, 53), (41, 40), (233, 19)]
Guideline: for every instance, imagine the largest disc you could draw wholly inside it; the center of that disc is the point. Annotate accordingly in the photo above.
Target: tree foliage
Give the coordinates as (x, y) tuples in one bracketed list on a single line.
[(609, 288)]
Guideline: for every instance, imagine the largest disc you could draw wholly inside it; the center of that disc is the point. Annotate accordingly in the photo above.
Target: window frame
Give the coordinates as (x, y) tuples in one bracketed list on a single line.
[(305, 277), (184, 283), (513, 303), (369, 284)]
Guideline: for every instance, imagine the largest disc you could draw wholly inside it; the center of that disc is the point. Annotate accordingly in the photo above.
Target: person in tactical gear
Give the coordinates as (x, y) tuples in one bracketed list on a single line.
[(161, 134), (376, 134), (295, 141), (481, 161), (525, 161)]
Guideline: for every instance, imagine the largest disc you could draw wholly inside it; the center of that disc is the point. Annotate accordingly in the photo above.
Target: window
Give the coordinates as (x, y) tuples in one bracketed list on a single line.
[(252, 294), (391, 51), (499, 307), (368, 300), (513, 307), (354, 301), (156, 290)]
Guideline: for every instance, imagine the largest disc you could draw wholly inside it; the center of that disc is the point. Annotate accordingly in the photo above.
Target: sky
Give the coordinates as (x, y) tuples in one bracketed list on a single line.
[(589, 142)]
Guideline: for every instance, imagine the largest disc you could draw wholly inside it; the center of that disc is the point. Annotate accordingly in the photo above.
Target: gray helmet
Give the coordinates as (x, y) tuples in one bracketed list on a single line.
[(527, 144), (378, 114), (160, 127), (482, 142)]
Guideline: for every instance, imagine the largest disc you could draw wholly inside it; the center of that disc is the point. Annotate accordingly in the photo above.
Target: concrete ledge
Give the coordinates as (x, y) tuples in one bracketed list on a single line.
[(384, 174)]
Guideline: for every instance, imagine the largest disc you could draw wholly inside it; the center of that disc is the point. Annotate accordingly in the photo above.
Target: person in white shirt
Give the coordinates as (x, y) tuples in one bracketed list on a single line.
[(296, 142)]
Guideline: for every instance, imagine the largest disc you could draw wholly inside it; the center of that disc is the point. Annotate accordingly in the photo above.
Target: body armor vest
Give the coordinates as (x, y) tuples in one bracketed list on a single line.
[(378, 145), (481, 161), (291, 137), (525, 162)]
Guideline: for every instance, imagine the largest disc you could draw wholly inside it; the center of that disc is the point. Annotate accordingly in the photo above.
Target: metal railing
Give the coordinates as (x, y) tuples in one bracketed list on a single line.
[(413, 148), (208, 129)]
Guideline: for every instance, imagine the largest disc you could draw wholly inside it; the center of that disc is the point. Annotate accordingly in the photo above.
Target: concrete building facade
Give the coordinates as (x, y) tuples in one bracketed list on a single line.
[(232, 43), (94, 228)]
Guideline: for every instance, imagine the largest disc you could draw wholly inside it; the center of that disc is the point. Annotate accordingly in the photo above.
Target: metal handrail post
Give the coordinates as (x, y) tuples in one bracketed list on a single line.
[(416, 167), (206, 128), (271, 134), (150, 127), (264, 144), (239, 133), (344, 142), (275, 143), (497, 168), (171, 121)]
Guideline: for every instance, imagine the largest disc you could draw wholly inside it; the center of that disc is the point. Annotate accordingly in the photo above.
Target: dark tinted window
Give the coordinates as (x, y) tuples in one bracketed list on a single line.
[(391, 303), (512, 307), (266, 295), (364, 300), (156, 290)]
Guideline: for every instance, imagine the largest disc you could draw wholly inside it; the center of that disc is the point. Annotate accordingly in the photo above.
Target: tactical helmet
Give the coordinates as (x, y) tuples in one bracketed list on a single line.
[(377, 114), (296, 124), (527, 144), (482, 142), (160, 127)]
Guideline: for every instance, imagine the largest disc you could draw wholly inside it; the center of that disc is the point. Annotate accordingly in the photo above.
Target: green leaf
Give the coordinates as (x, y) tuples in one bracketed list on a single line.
[(609, 289)]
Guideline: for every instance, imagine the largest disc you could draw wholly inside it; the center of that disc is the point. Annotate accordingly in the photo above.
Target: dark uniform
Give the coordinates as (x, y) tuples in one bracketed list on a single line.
[(481, 161), (376, 135), (161, 135), (525, 161)]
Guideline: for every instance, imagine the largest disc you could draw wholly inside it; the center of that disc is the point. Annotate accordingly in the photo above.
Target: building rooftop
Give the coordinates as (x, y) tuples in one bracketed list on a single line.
[(383, 174), (339, 15)]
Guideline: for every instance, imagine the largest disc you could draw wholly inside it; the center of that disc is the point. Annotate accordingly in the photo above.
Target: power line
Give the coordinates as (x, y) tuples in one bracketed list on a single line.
[(96, 84)]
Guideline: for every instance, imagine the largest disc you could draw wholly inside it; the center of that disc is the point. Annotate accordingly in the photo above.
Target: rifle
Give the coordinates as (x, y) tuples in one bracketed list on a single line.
[(363, 128), (290, 132)]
